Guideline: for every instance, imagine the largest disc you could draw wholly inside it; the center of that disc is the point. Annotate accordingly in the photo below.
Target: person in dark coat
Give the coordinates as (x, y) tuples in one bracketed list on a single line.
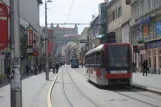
[(27, 69), (145, 67), (134, 67), (82, 64), (8, 73), (35, 69), (40, 67), (53, 68), (57, 67)]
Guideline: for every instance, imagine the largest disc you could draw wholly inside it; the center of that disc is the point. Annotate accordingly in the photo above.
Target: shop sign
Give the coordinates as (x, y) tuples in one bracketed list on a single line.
[(35, 53), (50, 46), (30, 37), (146, 21), (3, 26), (146, 30), (158, 28), (154, 44)]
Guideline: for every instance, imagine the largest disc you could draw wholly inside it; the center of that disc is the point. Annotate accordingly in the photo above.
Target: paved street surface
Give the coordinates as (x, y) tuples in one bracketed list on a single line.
[(72, 90), (34, 88)]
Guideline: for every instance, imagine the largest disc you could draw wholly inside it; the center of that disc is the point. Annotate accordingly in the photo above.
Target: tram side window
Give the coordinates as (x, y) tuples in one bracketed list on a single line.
[(86, 60), (93, 59), (102, 59), (90, 60), (98, 59)]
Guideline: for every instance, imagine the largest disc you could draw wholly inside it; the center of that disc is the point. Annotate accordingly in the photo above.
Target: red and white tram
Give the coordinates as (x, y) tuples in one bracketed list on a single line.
[(109, 64)]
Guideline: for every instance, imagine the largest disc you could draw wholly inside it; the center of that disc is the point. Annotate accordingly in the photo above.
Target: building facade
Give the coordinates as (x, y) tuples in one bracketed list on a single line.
[(81, 43), (29, 20), (145, 33), (118, 14), (60, 38)]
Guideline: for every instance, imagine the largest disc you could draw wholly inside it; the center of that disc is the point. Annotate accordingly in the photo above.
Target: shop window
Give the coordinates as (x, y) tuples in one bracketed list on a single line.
[(154, 52), (149, 53), (98, 60), (113, 15), (119, 11)]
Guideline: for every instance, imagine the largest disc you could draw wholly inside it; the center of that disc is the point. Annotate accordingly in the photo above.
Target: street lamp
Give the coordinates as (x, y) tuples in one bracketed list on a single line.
[(46, 33)]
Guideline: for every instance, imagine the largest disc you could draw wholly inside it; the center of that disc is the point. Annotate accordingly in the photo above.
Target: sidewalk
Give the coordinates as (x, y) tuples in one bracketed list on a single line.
[(5, 81), (152, 82), (34, 91)]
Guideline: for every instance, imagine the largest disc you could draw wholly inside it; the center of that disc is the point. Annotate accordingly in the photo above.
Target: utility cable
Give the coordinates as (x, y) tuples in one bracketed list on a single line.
[(69, 11)]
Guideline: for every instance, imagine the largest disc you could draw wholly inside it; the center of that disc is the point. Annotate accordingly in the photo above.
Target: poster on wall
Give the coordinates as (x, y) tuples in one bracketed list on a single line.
[(2, 64)]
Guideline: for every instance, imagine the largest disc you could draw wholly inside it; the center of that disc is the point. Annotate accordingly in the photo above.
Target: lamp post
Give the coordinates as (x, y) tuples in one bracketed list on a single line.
[(16, 85), (46, 40)]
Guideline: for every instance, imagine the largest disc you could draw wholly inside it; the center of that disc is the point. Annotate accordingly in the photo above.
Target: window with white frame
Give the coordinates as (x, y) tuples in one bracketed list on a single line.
[(113, 15), (119, 11), (116, 14)]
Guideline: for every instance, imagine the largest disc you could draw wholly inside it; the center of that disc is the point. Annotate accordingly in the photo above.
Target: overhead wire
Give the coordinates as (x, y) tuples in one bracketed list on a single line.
[(69, 11)]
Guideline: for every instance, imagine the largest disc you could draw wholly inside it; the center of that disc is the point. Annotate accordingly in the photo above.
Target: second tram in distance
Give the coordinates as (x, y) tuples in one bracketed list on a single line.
[(109, 64), (74, 63)]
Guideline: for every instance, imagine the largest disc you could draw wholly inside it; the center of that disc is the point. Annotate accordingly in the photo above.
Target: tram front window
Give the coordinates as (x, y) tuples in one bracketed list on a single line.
[(74, 61), (117, 56)]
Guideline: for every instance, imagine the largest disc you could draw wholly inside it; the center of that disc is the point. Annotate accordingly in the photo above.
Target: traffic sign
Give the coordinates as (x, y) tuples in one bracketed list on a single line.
[(35, 53), (29, 50)]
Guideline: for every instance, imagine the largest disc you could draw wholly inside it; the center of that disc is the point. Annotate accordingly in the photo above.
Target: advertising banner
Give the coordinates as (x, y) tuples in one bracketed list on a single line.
[(50, 47), (158, 29), (30, 42), (3, 26), (30, 37)]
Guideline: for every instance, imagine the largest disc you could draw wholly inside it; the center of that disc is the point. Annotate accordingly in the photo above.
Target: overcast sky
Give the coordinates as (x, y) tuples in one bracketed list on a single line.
[(81, 12)]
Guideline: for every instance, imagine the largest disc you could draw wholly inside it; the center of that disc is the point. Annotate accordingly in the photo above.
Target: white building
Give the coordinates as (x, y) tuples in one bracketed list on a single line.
[(118, 14), (29, 17)]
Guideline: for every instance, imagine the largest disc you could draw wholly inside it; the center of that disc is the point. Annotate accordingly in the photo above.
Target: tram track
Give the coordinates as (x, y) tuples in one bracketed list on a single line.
[(64, 91), (142, 93), (85, 96), (145, 102), (136, 99)]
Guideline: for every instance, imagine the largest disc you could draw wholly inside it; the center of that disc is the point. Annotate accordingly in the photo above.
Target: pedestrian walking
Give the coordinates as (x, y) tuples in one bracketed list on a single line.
[(35, 69), (32, 69), (40, 67), (8, 73), (57, 67), (53, 68), (145, 67), (82, 64), (134, 67), (27, 69)]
